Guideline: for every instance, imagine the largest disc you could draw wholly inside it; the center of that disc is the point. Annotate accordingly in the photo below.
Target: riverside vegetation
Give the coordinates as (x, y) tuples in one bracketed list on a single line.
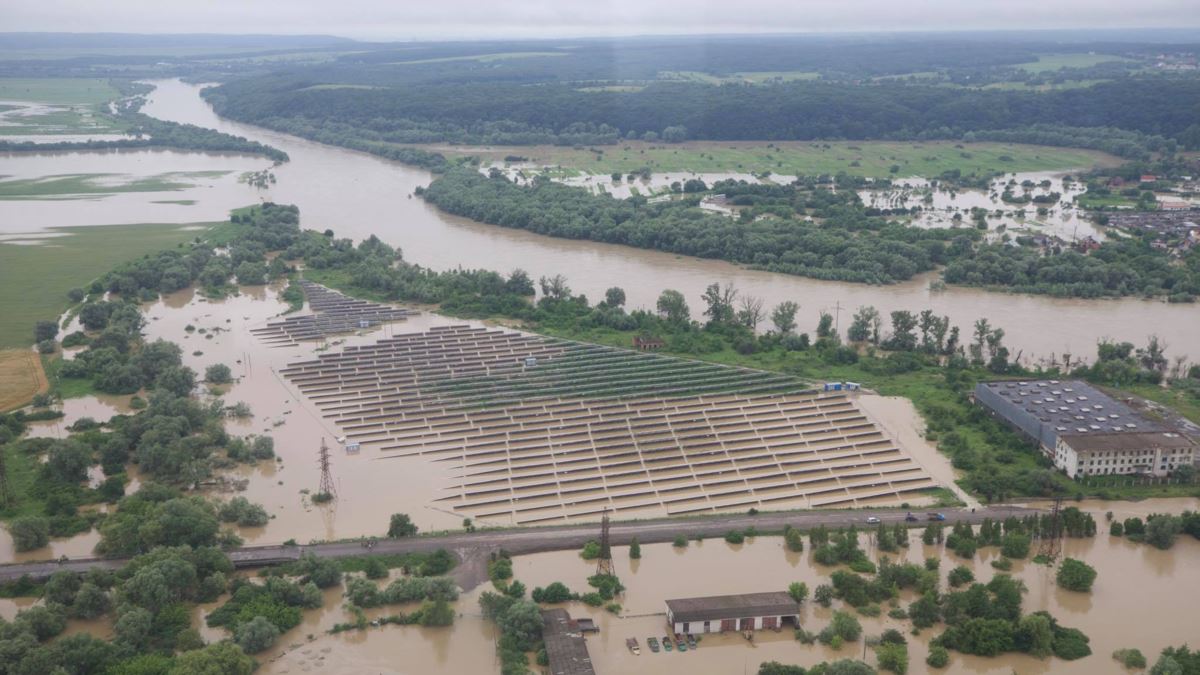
[(806, 229), (176, 538), (148, 132), (176, 438)]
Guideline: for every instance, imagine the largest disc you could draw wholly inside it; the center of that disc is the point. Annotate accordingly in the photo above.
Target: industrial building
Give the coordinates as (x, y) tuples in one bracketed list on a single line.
[(1085, 431), (721, 613)]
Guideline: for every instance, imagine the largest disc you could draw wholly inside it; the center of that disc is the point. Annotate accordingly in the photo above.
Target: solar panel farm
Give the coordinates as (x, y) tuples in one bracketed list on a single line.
[(538, 429)]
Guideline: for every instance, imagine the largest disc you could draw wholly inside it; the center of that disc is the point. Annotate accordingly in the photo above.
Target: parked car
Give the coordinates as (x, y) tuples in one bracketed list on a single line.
[(873, 520)]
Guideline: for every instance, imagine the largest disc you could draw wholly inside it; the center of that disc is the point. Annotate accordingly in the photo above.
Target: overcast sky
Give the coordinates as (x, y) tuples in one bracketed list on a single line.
[(436, 19)]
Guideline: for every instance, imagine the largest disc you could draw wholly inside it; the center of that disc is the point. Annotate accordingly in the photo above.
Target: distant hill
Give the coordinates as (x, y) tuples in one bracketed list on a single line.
[(166, 40)]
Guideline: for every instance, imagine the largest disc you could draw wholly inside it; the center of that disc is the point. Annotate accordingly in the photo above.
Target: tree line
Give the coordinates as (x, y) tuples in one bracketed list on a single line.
[(506, 112)]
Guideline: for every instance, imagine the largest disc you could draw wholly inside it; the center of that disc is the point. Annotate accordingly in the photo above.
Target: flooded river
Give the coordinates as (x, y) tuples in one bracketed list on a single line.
[(358, 195)]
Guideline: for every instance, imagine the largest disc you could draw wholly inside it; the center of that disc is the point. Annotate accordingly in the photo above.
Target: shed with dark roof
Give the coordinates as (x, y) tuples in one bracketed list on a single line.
[(720, 613)]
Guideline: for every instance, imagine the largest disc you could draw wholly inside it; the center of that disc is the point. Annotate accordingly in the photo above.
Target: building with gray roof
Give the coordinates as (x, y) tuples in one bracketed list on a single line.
[(1084, 430)]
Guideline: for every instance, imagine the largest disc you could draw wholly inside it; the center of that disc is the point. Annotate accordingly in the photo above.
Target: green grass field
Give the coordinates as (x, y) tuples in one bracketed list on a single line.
[(1051, 62), (34, 280), (873, 158), (1090, 201), (98, 183), (63, 91)]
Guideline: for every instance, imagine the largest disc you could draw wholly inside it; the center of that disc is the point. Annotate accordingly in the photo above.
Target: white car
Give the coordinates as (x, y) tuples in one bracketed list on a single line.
[(873, 520)]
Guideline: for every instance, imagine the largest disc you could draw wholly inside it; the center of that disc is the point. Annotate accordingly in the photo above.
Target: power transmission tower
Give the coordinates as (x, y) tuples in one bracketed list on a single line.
[(326, 488), (604, 562), (1052, 540)]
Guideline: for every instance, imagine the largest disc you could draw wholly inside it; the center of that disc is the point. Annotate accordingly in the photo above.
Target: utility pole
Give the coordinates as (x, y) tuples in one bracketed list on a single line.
[(326, 476), (837, 317)]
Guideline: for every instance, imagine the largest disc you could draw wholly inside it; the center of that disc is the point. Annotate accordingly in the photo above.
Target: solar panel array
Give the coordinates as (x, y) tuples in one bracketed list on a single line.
[(539, 429), (333, 313)]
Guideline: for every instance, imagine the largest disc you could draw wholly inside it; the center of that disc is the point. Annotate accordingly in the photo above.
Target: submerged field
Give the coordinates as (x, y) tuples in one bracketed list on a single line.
[(865, 158), (59, 91), (55, 106), (36, 272), (65, 185)]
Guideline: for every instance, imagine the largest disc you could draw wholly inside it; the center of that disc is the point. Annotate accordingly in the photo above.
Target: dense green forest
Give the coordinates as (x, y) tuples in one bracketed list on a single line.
[(844, 242), (510, 113)]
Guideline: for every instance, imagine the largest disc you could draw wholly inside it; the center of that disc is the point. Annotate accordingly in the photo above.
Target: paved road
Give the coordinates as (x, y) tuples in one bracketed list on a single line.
[(473, 548)]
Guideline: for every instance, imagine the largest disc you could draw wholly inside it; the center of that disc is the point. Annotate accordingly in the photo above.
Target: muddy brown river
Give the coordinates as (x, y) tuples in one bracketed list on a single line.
[(358, 195)]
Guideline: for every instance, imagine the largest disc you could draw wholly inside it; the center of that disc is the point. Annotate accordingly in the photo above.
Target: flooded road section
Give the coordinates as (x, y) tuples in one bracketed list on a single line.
[(1134, 581), (358, 195)]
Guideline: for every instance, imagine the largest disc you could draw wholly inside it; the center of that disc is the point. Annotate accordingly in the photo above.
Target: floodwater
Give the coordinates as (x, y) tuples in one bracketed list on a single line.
[(940, 205), (1134, 581), (212, 180), (358, 195), (368, 491), (901, 422)]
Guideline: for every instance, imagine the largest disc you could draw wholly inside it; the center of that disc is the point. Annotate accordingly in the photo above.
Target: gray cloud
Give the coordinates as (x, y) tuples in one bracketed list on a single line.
[(435, 19)]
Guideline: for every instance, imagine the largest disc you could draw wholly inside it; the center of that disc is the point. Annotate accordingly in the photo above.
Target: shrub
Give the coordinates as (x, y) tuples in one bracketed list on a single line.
[(798, 590), (938, 657), (635, 550), (843, 626), (256, 635), (30, 532), (1130, 658), (680, 541), (591, 550), (401, 525), (823, 595), (1016, 545), (218, 373), (862, 566), (555, 592), (1076, 575), (793, 539), (892, 657), (735, 537), (960, 575)]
